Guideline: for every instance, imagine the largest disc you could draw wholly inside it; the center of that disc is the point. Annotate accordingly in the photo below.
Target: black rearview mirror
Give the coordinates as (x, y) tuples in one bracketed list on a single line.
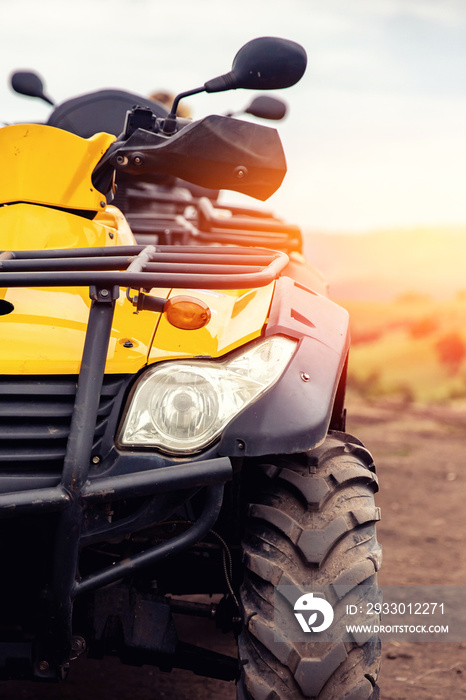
[(267, 107), (30, 84), (265, 63)]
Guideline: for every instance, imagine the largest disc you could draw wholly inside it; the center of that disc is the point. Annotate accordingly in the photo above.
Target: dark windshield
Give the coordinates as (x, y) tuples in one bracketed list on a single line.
[(104, 110)]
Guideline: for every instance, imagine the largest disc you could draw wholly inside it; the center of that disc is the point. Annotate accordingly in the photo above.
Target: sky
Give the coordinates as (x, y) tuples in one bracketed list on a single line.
[(375, 135)]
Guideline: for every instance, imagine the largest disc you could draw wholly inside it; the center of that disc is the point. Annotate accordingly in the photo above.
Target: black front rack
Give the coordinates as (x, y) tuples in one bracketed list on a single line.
[(143, 267)]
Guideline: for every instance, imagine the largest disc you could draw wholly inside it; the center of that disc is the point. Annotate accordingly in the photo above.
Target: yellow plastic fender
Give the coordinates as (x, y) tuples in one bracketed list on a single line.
[(45, 165)]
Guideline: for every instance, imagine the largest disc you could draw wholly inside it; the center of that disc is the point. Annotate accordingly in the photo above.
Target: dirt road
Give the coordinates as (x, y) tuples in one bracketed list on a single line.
[(420, 454), (421, 457)]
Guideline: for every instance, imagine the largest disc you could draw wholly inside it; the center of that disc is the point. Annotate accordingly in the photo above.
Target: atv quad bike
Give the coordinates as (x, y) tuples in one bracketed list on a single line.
[(172, 415)]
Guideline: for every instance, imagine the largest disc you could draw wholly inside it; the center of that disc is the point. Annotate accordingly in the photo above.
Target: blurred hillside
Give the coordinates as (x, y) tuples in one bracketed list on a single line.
[(413, 348), (406, 294), (386, 265)]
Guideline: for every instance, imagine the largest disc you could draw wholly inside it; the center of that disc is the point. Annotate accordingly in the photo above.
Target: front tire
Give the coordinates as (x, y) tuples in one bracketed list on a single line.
[(311, 524)]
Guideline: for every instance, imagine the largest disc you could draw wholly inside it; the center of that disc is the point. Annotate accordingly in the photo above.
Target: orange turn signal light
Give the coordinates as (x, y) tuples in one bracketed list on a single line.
[(187, 313)]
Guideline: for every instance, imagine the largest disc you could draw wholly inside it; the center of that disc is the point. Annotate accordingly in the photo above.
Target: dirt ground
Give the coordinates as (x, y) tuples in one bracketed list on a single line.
[(420, 455)]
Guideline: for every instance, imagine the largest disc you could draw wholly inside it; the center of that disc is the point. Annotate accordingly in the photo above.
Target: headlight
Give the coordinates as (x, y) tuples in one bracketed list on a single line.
[(181, 407)]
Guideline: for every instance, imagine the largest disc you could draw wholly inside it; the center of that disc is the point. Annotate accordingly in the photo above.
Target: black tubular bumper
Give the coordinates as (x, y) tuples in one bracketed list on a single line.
[(211, 472)]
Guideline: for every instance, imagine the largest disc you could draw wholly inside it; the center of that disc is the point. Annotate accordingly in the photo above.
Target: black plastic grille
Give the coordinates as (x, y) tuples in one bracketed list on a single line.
[(35, 418)]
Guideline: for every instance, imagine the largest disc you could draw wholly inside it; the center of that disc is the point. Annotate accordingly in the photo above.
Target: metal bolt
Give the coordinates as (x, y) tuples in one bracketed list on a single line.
[(104, 292), (95, 459), (240, 172), (305, 376), (128, 344), (44, 666), (241, 444), (111, 235), (78, 645), (103, 204)]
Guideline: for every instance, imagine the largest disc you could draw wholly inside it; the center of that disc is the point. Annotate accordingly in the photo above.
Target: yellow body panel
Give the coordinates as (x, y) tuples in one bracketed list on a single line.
[(45, 332), (28, 227), (238, 317), (47, 328), (50, 166)]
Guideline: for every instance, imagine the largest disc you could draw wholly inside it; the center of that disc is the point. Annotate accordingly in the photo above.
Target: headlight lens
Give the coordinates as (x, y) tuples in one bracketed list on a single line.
[(181, 407)]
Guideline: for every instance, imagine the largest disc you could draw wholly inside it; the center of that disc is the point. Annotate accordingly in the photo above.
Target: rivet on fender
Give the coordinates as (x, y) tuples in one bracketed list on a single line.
[(240, 172)]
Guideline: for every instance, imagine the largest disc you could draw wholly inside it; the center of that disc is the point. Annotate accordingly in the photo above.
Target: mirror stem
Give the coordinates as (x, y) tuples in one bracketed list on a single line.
[(169, 126)]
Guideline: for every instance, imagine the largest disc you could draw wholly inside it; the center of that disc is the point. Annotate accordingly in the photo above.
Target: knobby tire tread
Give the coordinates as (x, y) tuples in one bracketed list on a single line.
[(311, 523)]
